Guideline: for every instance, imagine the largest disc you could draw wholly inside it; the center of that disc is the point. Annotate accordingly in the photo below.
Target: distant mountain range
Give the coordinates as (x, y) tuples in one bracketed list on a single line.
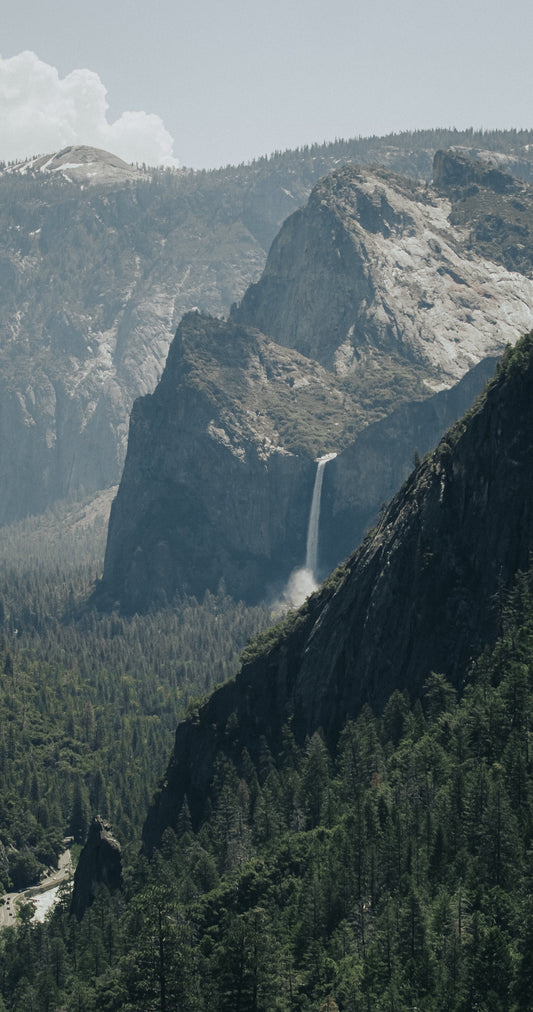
[(83, 165), (100, 260)]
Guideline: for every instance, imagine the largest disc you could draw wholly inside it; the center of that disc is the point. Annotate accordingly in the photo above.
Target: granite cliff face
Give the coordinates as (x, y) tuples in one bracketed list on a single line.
[(219, 473), (82, 164), (99, 261), (372, 270), (375, 295), (423, 593)]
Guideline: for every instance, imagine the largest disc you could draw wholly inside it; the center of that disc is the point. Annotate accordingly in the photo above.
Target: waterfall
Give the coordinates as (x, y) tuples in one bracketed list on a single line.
[(311, 558), (302, 581)]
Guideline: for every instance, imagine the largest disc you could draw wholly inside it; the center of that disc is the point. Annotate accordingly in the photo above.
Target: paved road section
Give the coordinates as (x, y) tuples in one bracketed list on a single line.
[(9, 902)]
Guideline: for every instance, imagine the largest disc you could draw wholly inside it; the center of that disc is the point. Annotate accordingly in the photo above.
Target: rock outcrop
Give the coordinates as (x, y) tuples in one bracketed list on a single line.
[(455, 168), (83, 164), (220, 468), (372, 277), (371, 302), (99, 261), (423, 593), (100, 864)]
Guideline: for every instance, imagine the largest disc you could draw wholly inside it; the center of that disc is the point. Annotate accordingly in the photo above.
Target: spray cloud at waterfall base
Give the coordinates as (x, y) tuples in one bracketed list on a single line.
[(303, 581), (300, 584)]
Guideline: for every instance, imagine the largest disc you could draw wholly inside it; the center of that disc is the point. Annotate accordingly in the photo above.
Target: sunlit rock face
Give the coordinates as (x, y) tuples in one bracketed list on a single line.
[(100, 260), (371, 302), (372, 269)]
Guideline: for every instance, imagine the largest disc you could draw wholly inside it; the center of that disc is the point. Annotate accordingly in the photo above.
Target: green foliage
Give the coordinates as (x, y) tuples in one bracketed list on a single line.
[(517, 358), (395, 874), (89, 703), (267, 640)]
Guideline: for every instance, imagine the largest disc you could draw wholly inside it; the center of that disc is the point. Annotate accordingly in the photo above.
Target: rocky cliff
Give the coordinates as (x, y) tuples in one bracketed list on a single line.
[(99, 261), (371, 300), (372, 275), (423, 593), (366, 474), (220, 468), (100, 864)]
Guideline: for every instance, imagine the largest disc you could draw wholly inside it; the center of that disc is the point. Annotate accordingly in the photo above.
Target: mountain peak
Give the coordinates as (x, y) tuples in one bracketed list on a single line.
[(82, 164), (373, 269)]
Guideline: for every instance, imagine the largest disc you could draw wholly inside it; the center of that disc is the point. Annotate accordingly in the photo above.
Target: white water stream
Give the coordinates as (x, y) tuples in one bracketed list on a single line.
[(311, 557), (303, 581)]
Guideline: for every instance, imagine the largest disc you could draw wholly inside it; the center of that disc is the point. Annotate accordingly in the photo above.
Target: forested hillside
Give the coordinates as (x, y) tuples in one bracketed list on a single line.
[(89, 703), (380, 863), (307, 862), (421, 593), (393, 873)]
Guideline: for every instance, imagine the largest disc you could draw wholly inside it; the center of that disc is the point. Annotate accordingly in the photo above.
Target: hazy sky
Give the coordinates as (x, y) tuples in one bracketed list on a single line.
[(209, 83)]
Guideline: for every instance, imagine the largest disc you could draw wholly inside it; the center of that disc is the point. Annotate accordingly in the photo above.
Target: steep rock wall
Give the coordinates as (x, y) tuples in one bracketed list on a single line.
[(378, 302), (210, 488), (372, 277), (423, 593), (100, 864), (98, 264), (367, 473)]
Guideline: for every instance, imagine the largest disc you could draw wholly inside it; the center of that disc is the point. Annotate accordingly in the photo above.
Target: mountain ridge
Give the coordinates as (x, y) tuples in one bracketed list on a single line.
[(422, 593), (370, 289), (95, 278)]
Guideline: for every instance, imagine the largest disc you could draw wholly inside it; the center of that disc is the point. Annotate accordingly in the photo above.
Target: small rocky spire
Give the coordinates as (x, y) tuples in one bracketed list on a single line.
[(100, 863)]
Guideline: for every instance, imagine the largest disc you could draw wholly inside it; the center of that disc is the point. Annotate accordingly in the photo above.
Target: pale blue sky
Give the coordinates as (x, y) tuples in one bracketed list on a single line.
[(235, 80)]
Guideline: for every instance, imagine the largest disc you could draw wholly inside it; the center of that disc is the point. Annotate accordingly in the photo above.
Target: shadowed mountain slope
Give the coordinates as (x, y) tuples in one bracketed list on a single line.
[(220, 468), (423, 593)]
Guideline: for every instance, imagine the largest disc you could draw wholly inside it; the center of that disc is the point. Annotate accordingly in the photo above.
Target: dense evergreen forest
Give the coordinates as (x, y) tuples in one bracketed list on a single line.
[(394, 874), (89, 703)]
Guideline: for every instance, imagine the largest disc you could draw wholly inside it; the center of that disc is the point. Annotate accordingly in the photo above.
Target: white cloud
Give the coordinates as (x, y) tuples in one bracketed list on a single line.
[(41, 113)]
